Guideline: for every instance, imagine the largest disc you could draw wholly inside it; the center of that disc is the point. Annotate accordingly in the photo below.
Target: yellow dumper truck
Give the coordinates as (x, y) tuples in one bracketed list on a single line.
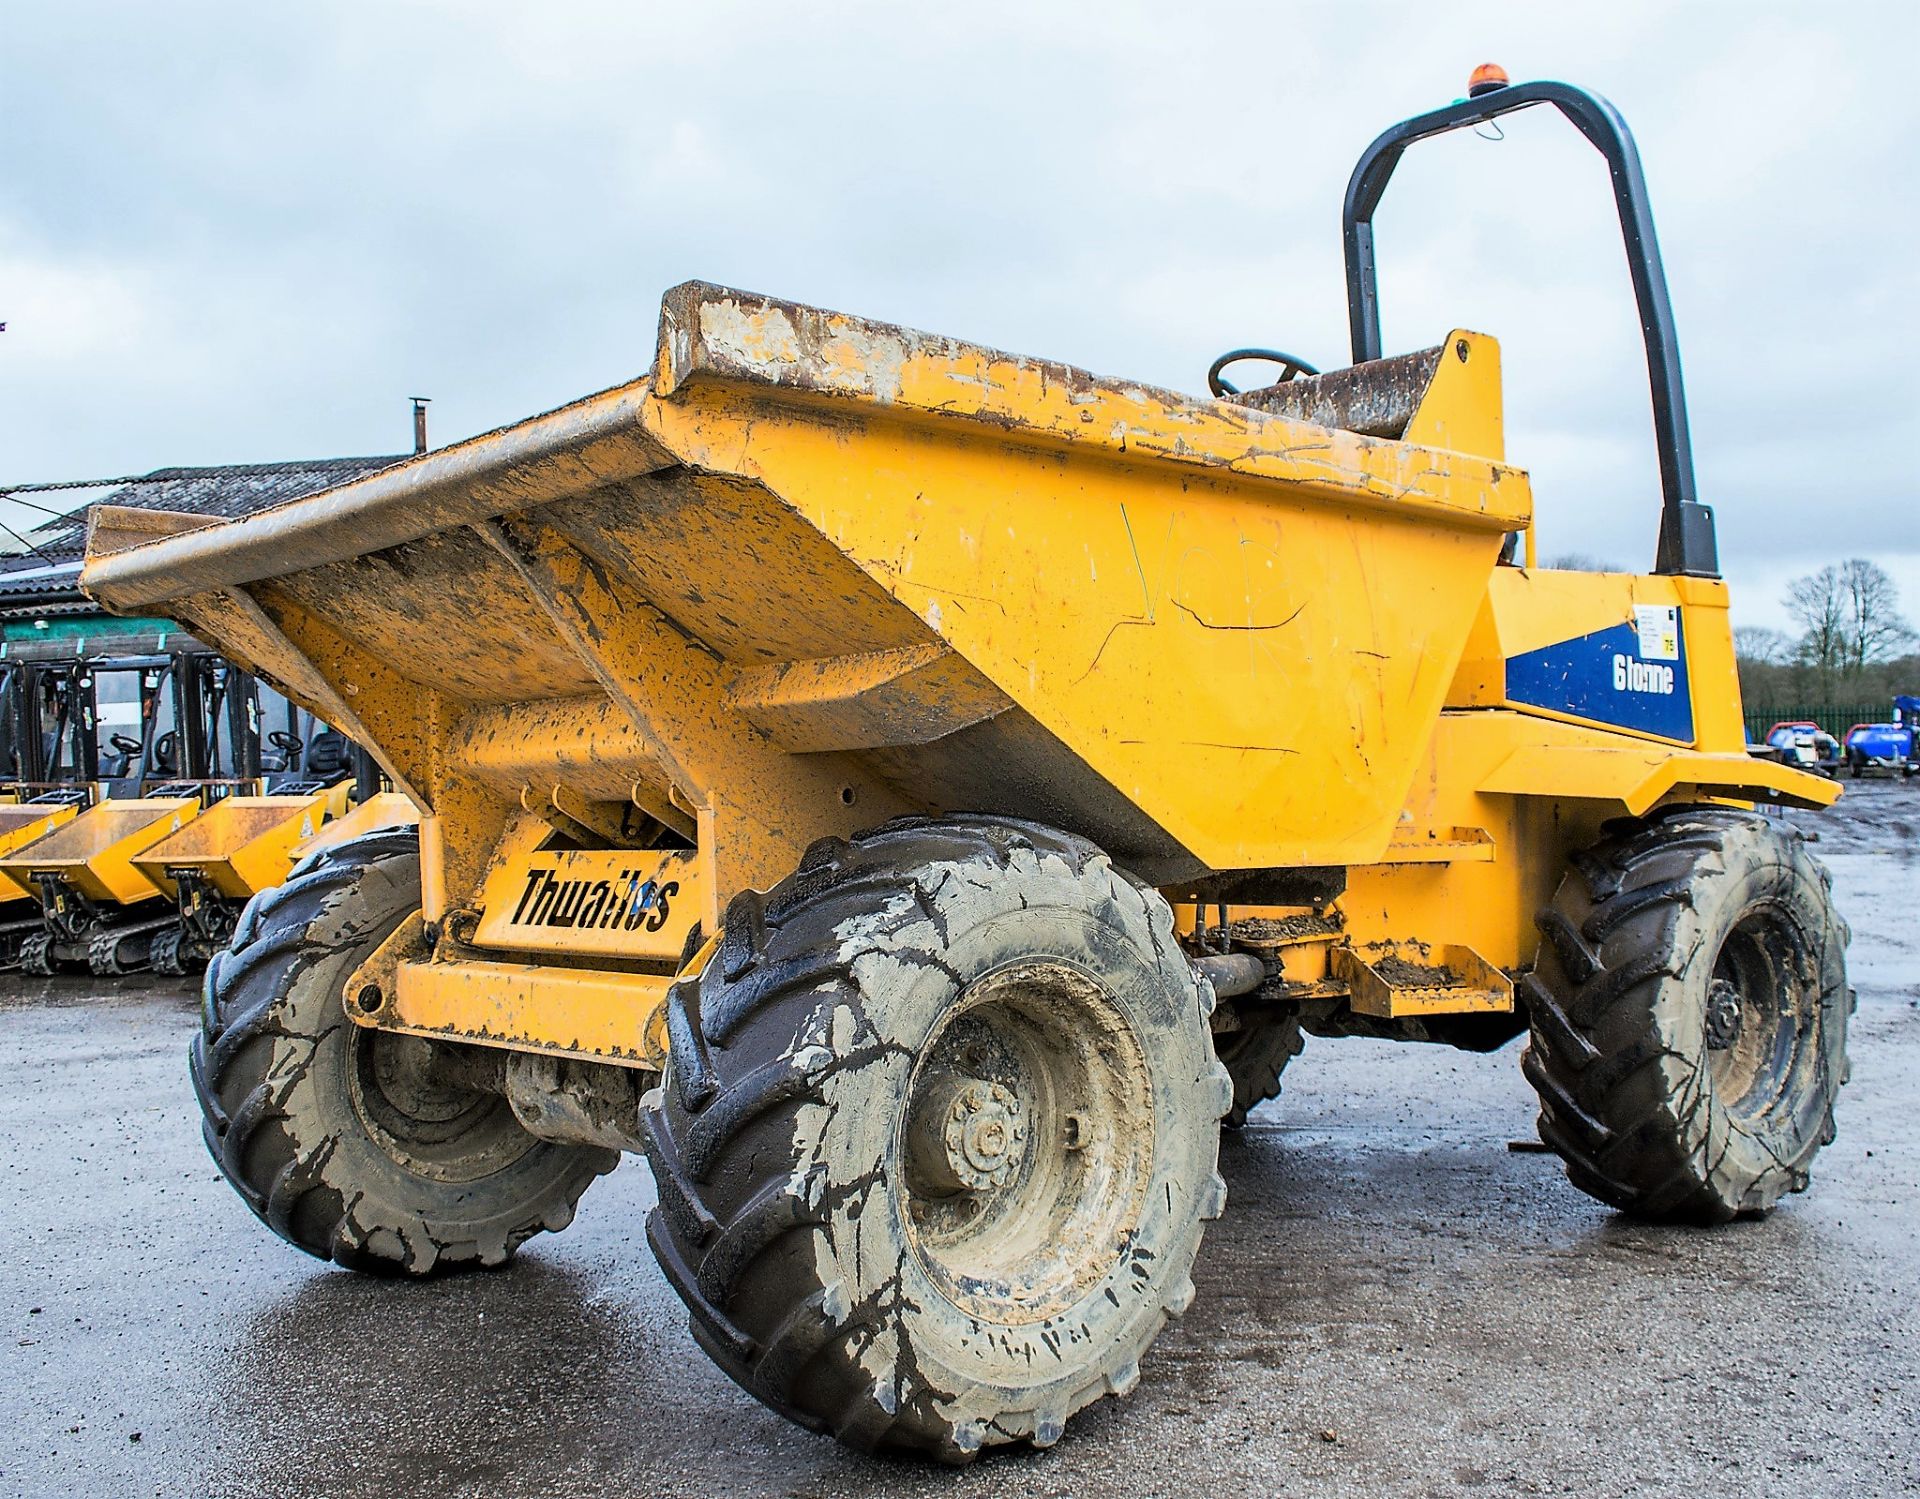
[(913, 793)]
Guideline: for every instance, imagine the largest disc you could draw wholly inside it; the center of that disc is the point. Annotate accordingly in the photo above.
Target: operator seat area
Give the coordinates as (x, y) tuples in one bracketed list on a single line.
[(1375, 399), (329, 756)]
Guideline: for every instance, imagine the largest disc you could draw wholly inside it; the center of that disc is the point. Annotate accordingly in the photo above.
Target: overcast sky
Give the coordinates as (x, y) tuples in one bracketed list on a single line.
[(234, 233)]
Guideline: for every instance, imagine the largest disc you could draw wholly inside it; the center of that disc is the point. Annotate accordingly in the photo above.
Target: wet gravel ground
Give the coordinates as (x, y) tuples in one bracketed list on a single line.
[(1395, 1304)]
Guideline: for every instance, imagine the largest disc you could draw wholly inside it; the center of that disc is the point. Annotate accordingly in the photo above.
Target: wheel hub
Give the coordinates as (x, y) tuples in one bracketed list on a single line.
[(419, 1101), (1726, 1009), (1762, 1013), (1027, 1142), (971, 1134)]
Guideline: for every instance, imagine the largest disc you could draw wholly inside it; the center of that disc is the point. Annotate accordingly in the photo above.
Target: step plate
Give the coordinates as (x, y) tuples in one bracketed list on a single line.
[(1394, 980)]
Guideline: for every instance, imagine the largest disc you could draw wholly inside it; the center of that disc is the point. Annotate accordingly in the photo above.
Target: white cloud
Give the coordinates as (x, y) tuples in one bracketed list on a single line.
[(73, 314), (1759, 587), (234, 233)]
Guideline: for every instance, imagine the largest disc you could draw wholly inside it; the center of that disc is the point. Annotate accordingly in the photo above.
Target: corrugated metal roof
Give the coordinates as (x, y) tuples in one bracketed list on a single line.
[(51, 570), (36, 582), (229, 492)]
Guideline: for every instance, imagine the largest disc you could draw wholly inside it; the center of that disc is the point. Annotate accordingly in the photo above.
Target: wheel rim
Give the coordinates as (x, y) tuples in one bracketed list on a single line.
[(1761, 1001), (1027, 1143), (422, 1117)]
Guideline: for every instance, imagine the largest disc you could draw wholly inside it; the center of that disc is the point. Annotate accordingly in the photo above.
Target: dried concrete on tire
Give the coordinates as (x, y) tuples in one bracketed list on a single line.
[(1394, 1303)]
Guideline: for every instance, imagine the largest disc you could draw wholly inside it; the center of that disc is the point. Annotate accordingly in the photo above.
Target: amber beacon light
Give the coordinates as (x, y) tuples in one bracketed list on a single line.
[(1486, 78)]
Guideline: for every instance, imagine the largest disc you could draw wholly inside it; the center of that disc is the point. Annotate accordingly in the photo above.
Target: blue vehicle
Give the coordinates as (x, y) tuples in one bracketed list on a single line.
[(1887, 746), (1803, 744)]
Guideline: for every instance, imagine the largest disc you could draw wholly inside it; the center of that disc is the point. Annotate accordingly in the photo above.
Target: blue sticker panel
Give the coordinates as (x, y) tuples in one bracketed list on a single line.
[(1604, 678)]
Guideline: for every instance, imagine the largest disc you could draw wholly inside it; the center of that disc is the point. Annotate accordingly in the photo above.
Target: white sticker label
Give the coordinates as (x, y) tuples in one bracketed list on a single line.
[(1659, 626)]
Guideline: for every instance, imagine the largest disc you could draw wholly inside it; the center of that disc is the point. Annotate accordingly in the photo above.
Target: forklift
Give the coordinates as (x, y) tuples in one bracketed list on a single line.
[(138, 745)]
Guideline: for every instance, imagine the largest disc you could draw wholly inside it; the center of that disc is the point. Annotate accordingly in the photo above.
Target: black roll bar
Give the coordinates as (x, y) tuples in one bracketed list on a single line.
[(1686, 526)]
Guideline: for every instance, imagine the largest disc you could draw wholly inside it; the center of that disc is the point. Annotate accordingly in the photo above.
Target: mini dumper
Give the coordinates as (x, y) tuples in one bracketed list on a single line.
[(98, 909), (155, 882), (22, 823), (214, 865), (915, 793)]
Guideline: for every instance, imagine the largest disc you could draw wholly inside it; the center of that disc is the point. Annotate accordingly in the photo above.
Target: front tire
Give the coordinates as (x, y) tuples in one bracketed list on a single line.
[(1689, 1017), (939, 1129), (356, 1145)]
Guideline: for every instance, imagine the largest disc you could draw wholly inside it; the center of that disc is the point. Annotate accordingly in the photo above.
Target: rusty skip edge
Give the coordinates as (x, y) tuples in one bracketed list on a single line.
[(706, 333), (811, 354)]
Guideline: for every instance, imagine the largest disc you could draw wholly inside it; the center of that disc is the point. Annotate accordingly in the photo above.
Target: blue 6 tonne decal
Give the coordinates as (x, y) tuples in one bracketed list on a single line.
[(1629, 676)]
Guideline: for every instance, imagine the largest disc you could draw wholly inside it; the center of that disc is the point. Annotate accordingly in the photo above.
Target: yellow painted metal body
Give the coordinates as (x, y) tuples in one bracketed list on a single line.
[(239, 846), (384, 809), (96, 852), (599, 1015), (22, 823), (813, 572)]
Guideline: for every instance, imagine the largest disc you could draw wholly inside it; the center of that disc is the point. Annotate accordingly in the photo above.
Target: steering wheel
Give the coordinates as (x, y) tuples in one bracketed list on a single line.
[(126, 744), (1290, 365)]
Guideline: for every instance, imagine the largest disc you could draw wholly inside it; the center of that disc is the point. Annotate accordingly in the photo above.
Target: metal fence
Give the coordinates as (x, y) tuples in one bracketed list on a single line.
[(1836, 719)]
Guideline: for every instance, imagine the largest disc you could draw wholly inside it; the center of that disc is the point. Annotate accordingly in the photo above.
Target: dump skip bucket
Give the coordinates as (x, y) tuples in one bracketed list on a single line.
[(385, 809), (94, 852), (20, 825), (816, 571), (239, 846)]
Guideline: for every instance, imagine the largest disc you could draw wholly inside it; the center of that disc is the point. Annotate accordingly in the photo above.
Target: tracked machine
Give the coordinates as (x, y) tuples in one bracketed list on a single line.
[(914, 793), (151, 799), (21, 823), (155, 881)]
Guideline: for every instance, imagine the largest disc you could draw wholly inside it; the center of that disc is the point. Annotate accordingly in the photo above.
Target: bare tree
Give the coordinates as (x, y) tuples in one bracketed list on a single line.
[(1758, 643), (1875, 631), (1818, 601), (1580, 562), (1851, 615)]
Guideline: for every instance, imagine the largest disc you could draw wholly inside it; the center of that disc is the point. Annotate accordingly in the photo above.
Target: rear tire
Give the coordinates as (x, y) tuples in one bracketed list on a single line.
[(1689, 1017), (1255, 1057), (937, 1136), (351, 1143)]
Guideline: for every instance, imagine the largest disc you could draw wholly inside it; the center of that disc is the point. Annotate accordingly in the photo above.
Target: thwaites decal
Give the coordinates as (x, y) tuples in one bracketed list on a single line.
[(607, 902), (629, 900)]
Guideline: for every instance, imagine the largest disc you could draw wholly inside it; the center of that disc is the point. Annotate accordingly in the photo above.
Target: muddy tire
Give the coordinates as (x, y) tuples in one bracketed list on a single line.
[(349, 1143), (1688, 1017), (938, 1135), (1255, 1057)]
